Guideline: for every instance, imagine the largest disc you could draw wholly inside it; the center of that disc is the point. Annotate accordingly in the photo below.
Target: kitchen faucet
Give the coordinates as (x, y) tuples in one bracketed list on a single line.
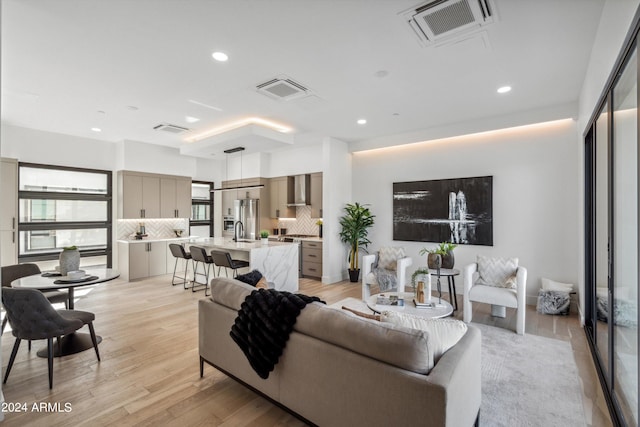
[(235, 230)]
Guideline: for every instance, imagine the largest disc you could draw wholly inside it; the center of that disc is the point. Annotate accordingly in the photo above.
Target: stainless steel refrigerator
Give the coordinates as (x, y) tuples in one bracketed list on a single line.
[(246, 211)]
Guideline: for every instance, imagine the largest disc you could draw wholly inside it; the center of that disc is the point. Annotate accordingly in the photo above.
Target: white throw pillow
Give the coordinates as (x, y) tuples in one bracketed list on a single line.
[(500, 272), (551, 285), (388, 257), (443, 333)]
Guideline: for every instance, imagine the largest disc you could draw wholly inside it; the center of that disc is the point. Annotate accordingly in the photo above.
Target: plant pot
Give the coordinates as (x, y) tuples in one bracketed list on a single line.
[(69, 261), (448, 260), (354, 275)]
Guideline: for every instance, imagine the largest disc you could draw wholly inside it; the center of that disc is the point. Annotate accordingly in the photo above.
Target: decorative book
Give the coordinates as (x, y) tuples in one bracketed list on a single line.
[(390, 300)]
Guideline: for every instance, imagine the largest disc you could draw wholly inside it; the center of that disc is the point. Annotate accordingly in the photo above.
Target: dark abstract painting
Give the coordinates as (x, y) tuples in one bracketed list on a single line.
[(444, 210)]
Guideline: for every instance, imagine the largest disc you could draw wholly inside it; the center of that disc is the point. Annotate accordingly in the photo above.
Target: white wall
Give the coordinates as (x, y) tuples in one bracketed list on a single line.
[(534, 199), (296, 161)]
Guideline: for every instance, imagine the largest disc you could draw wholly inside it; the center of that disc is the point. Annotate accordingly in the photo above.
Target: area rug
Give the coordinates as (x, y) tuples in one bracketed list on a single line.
[(528, 381)]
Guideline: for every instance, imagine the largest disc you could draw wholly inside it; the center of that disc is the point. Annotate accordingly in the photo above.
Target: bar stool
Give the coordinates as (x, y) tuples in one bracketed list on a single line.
[(223, 259), (179, 252), (199, 255)]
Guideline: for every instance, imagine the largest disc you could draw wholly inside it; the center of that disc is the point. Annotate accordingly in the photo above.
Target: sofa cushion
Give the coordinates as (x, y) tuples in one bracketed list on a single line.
[(500, 272), (399, 346), (444, 333), (229, 292)]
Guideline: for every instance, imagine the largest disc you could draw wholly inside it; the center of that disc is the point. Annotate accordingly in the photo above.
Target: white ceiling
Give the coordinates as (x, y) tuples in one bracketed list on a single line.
[(70, 65)]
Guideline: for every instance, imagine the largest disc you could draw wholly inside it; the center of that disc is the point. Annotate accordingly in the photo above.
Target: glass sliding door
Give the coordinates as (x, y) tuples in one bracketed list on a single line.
[(625, 241)]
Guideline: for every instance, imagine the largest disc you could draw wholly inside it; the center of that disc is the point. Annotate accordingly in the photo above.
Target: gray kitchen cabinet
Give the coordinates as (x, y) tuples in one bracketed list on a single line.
[(137, 260), (175, 197), (312, 259), (9, 212), (316, 195), (146, 195), (279, 198)]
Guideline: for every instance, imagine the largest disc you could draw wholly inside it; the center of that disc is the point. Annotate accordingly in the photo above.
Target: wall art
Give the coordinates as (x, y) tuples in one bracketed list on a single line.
[(445, 210)]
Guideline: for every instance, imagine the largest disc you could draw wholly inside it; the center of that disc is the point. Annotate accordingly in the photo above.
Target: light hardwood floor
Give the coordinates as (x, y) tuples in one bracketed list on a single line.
[(149, 371)]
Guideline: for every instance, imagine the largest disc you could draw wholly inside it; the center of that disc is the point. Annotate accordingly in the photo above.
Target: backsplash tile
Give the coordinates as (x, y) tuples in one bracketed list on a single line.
[(158, 228), (303, 224)]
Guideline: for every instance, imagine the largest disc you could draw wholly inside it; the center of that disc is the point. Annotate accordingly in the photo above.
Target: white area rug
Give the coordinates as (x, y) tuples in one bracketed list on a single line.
[(528, 381)]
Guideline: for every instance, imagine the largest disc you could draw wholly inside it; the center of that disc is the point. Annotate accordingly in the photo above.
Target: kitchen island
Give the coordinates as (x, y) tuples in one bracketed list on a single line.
[(277, 261)]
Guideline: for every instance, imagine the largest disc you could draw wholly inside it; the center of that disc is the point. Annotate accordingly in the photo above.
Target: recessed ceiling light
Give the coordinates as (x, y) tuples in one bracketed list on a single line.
[(190, 119), (220, 56), (362, 121), (504, 89), (96, 129)]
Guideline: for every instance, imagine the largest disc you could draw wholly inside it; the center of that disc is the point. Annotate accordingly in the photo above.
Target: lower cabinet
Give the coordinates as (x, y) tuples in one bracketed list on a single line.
[(137, 260), (312, 259)]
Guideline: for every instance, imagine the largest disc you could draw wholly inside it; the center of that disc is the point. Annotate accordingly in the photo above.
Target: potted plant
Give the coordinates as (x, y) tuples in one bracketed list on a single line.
[(319, 224), (264, 234), (355, 226), (445, 250)]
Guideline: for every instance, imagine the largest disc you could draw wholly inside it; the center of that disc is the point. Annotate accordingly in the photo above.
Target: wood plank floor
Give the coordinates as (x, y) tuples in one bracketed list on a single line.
[(149, 371)]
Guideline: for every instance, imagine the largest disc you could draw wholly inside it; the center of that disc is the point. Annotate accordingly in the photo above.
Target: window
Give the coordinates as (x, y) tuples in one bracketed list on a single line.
[(201, 222), (62, 206)]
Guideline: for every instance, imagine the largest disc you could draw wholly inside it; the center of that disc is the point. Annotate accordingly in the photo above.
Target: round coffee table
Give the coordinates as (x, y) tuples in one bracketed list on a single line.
[(442, 309)]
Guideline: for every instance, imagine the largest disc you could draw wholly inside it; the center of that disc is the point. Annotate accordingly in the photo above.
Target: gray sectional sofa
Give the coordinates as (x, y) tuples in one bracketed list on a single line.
[(342, 370)]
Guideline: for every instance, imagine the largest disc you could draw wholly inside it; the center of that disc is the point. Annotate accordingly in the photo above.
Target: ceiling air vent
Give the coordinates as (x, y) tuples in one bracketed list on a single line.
[(283, 88), (171, 128), (446, 20)]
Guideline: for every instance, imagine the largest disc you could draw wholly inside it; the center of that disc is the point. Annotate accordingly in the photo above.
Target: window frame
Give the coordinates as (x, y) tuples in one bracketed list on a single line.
[(68, 225), (209, 203)]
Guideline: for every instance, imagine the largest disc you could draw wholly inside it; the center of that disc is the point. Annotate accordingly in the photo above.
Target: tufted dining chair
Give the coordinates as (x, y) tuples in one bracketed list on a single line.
[(32, 317), (500, 282), (387, 269)]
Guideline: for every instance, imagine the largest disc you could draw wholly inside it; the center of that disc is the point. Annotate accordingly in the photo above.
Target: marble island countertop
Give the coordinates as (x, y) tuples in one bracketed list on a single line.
[(156, 239), (229, 244)]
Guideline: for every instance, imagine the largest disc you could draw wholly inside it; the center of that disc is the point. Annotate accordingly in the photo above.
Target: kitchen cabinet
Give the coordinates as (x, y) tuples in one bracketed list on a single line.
[(279, 198), (137, 260), (316, 195), (175, 197), (145, 195), (311, 258), (9, 212)]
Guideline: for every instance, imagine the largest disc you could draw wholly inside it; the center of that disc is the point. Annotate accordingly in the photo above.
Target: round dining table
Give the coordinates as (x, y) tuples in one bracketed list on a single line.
[(76, 341)]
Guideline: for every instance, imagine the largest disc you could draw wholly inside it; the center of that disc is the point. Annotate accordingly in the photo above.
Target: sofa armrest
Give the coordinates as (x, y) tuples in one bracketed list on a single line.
[(467, 275), (459, 372)]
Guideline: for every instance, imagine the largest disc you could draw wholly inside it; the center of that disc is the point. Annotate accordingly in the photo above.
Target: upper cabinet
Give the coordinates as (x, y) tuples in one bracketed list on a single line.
[(175, 197), (279, 192), (316, 195), (145, 195)]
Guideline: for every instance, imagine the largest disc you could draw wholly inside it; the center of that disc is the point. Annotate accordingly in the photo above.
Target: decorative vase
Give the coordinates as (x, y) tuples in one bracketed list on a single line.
[(320, 230), (69, 260), (354, 275)]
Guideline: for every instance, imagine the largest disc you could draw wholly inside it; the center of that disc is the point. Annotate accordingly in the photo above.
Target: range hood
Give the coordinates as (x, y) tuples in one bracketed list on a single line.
[(298, 190)]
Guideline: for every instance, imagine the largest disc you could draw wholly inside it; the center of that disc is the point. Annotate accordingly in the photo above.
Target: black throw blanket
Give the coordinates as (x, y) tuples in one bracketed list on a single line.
[(264, 322)]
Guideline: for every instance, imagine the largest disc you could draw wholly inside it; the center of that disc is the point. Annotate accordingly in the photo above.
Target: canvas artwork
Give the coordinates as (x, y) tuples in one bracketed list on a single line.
[(444, 210)]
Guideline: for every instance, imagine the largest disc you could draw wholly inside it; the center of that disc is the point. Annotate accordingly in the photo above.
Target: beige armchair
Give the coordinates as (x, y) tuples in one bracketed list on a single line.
[(499, 297), (386, 257)]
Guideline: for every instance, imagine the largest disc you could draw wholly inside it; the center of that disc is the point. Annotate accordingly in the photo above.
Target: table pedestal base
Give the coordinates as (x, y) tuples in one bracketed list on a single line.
[(70, 344)]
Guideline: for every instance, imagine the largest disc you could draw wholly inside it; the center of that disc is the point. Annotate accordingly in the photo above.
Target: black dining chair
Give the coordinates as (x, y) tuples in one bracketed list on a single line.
[(32, 317), (223, 259), (10, 273)]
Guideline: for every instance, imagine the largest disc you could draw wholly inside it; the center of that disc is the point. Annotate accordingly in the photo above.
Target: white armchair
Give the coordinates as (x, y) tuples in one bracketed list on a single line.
[(368, 277), (498, 297)]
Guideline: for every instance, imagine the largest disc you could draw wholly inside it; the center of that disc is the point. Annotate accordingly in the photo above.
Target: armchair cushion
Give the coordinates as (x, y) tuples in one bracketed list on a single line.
[(387, 257), (498, 272)]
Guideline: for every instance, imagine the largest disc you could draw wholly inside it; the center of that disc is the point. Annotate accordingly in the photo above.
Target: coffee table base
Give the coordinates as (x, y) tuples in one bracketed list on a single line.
[(70, 344)]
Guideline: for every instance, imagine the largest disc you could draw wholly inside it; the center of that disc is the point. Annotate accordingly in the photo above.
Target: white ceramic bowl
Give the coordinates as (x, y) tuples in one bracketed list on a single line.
[(76, 274)]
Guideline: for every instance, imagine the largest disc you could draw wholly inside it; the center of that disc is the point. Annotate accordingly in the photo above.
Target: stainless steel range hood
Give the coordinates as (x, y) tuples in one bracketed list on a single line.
[(298, 190)]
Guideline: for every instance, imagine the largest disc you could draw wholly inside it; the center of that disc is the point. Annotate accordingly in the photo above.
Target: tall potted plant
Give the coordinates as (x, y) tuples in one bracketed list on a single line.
[(355, 226)]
